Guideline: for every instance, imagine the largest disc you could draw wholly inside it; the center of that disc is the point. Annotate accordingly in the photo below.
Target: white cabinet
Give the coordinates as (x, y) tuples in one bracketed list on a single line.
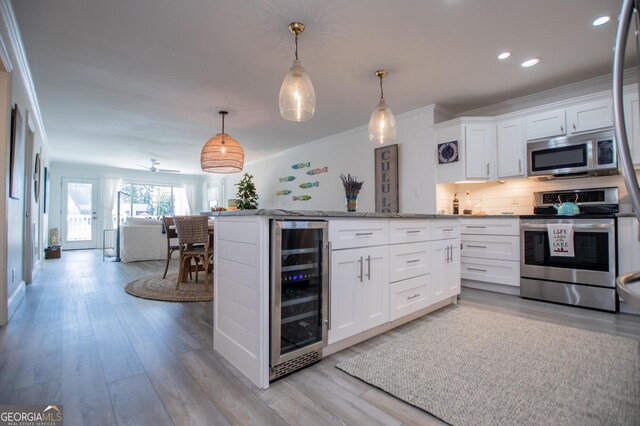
[(358, 233), (445, 271), (409, 296), (576, 118), (632, 121), (480, 147), (590, 116), (476, 152), (408, 260), (443, 229), (359, 296), (546, 124), (491, 251), (511, 143), (408, 230), (628, 245)]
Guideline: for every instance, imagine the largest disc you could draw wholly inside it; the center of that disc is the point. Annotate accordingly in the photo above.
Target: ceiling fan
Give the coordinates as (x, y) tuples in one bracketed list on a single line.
[(154, 169)]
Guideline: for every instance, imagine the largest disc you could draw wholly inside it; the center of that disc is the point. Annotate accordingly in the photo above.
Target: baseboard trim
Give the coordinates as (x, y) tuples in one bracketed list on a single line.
[(15, 299), (496, 288), (365, 335)]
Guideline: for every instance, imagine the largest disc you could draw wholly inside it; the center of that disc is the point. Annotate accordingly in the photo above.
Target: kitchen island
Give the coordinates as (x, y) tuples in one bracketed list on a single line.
[(383, 270)]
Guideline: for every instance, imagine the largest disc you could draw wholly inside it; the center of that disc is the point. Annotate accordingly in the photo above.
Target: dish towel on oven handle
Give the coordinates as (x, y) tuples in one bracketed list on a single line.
[(561, 239)]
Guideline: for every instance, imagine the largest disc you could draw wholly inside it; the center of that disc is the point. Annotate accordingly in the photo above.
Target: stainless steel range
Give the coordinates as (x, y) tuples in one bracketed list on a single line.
[(586, 278)]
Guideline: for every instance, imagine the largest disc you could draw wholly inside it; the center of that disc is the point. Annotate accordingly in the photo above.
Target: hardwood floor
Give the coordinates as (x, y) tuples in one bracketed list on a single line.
[(79, 340)]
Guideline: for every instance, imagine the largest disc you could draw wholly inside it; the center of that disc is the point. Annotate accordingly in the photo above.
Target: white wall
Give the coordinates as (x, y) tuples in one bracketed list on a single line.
[(61, 170), (348, 152), (15, 88)]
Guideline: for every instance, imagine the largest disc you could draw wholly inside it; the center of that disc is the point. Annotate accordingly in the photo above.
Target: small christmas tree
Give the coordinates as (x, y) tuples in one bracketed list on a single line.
[(247, 198)]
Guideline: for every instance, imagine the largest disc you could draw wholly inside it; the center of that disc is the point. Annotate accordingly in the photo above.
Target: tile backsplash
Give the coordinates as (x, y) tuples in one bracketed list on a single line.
[(516, 196)]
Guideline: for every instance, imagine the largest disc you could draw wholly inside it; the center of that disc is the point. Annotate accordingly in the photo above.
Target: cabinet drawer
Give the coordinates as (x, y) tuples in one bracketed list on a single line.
[(408, 230), (490, 226), (409, 296), (499, 247), (409, 260), (358, 233), (442, 229), (491, 271)]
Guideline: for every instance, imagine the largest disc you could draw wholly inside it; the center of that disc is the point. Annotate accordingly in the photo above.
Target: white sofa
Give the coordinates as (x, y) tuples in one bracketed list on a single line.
[(142, 239)]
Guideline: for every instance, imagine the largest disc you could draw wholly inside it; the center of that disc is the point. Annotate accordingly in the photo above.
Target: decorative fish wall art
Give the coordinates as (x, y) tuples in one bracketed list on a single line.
[(302, 198), (318, 171), (309, 184), (287, 179), (301, 165), (283, 192)]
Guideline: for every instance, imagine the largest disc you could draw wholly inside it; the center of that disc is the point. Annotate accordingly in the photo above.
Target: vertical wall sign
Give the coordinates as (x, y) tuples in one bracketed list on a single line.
[(386, 159)]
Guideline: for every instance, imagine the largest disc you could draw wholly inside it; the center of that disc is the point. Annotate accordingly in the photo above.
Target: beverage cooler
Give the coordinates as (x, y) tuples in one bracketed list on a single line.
[(299, 294)]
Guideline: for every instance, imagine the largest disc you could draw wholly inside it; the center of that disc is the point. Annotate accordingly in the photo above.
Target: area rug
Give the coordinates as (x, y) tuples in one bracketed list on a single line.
[(473, 367), (155, 288)]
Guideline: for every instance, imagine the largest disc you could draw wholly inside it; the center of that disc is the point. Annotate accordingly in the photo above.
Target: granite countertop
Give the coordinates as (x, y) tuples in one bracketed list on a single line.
[(321, 213)]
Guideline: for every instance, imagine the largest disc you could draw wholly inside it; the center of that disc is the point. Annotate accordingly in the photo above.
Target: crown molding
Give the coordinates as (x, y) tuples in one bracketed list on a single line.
[(573, 90), (15, 44)]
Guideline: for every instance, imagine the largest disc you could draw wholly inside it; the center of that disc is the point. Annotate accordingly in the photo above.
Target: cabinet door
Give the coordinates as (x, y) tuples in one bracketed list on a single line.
[(511, 142), (478, 147), (453, 267), (439, 269), (590, 116), (347, 276), (628, 245), (546, 124), (375, 287), (632, 121)]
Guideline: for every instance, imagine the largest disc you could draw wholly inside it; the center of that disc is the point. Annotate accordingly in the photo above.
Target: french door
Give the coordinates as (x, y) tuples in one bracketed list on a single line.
[(79, 213)]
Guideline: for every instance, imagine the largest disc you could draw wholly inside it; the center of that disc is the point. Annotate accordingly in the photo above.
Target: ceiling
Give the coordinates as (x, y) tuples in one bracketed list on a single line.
[(122, 81)]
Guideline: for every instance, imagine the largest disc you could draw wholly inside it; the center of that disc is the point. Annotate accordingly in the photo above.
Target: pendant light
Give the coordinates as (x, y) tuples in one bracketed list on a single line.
[(297, 98), (382, 125), (222, 153)]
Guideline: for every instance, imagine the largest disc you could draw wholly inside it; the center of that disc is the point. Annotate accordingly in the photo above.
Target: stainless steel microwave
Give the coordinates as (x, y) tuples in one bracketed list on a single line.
[(592, 154)]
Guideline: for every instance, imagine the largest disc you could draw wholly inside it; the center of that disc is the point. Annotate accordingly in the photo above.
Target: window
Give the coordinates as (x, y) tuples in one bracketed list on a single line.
[(151, 201)]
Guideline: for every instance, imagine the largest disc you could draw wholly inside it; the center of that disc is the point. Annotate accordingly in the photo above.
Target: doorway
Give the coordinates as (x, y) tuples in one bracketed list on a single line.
[(31, 240), (79, 213)]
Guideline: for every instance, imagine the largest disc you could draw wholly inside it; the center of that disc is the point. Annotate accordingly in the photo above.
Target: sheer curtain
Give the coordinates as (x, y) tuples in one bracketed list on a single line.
[(191, 192), (109, 192)]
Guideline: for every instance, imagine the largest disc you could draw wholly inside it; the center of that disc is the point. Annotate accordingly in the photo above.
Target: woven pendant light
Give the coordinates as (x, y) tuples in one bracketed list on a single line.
[(222, 153)]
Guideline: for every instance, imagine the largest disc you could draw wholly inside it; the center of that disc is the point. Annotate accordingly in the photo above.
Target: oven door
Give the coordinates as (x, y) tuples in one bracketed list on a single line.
[(594, 260)]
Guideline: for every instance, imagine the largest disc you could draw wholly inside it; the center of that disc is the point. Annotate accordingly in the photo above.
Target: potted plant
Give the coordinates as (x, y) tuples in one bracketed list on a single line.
[(351, 189), (247, 198)]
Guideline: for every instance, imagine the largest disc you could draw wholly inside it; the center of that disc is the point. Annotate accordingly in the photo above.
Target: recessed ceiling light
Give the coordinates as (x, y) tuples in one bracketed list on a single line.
[(601, 21), (504, 55), (530, 62)]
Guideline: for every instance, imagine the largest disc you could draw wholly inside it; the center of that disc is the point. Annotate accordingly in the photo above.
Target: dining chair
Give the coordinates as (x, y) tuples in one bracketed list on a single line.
[(193, 240), (172, 235)]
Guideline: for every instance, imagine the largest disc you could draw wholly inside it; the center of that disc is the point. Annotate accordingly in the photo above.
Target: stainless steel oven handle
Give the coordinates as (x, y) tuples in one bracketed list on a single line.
[(600, 227)]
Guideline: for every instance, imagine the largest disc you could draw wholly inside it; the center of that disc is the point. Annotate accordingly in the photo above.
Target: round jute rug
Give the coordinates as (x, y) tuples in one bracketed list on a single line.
[(155, 288)]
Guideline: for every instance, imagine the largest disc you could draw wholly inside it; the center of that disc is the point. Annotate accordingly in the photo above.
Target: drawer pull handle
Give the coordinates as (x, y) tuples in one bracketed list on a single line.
[(417, 231), (469, 245), (475, 227), (476, 269), (447, 229), (360, 234), (414, 296), (413, 261)]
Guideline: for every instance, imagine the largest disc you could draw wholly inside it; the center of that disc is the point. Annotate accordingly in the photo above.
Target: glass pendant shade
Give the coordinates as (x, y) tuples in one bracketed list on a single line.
[(382, 125), (222, 153), (297, 97)]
